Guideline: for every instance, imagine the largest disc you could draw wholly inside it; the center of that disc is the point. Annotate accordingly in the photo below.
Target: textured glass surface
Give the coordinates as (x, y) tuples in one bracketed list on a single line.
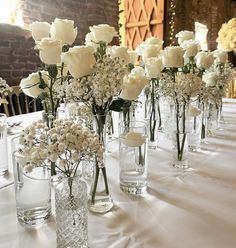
[(71, 213)]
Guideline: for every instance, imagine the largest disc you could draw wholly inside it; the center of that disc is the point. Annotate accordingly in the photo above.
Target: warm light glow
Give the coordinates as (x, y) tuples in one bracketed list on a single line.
[(10, 13)]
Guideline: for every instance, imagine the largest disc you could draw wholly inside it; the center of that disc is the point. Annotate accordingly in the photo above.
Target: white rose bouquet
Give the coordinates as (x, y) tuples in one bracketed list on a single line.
[(227, 36), (48, 83), (98, 71)]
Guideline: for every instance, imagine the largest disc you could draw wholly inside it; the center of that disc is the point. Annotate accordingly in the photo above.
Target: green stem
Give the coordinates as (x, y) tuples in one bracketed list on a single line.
[(152, 121), (140, 157), (97, 169), (105, 180)]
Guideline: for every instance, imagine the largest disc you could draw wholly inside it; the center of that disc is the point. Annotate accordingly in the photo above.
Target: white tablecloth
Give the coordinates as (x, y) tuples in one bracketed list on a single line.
[(191, 210)]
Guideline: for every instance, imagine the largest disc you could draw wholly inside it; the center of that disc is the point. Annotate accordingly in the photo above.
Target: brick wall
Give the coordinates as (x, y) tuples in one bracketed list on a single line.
[(17, 55)]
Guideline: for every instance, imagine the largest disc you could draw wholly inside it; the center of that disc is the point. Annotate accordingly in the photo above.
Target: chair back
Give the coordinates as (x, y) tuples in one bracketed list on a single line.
[(19, 103)]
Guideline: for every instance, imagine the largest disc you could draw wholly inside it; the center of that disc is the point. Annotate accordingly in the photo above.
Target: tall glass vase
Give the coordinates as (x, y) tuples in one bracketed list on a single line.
[(154, 116), (100, 200), (204, 108), (126, 116), (71, 213), (213, 119), (195, 125), (180, 136)]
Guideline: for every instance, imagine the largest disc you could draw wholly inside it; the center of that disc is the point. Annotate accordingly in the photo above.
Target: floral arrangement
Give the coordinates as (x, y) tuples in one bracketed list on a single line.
[(227, 36), (66, 145), (4, 90), (100, 78), (48, 83)]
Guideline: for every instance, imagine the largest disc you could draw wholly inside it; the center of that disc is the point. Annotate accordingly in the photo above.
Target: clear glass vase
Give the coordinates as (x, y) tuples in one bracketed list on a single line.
[(32, 191), (100, 200), (133, 158), (180, 136), (153, 122), (204, 108), (213, 119), (71, 213), (180, 150), (195, 125), (127, 115), (3, 144), (48, 118)]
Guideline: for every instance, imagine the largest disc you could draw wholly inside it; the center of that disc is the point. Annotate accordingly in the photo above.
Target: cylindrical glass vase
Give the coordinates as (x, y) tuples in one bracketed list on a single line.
[(71, 213), (3, 144), (32, 191), (180, 150), (195, 125), (133, 158), (100, 200)]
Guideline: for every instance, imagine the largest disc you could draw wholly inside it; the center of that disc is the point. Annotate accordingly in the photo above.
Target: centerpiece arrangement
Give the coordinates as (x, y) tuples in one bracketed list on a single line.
[(97, 72), (66, 144)]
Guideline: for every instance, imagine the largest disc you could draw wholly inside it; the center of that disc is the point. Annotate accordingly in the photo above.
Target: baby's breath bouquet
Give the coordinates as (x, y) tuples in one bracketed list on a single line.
[(66, 144)]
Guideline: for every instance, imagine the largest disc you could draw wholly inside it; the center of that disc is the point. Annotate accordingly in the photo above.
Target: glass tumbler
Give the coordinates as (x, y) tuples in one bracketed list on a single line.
[(32, 191), (133, 157)]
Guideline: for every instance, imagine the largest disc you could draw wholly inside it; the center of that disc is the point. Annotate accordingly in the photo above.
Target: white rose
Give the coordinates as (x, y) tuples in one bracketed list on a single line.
[(63, 30), (90, 41), (103, 32), (120, 52), (80, 60), (210, 79), (204, 60), (49, 51), (30, 85), (220, 57), (153, 67), (151, 47), (191, 48), (185, 35), (133, 84), (150, 51), (133, 139), (133, 57), (40, 30), (173, 57), (138, 71), (153, 41)]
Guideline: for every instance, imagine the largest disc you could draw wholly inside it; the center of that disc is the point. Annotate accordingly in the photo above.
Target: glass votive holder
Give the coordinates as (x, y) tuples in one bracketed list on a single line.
[(3, 144), (133, 157), (32, 191)]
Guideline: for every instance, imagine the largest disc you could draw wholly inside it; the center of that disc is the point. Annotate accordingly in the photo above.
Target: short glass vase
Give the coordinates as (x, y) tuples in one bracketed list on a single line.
[(32, 191)]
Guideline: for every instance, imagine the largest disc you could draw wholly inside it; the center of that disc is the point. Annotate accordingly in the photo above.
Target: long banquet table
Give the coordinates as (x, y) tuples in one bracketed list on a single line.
[(196, 209)]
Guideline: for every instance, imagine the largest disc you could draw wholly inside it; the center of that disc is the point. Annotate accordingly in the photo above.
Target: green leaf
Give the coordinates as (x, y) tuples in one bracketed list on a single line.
[(52, 70), (119, 104)]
